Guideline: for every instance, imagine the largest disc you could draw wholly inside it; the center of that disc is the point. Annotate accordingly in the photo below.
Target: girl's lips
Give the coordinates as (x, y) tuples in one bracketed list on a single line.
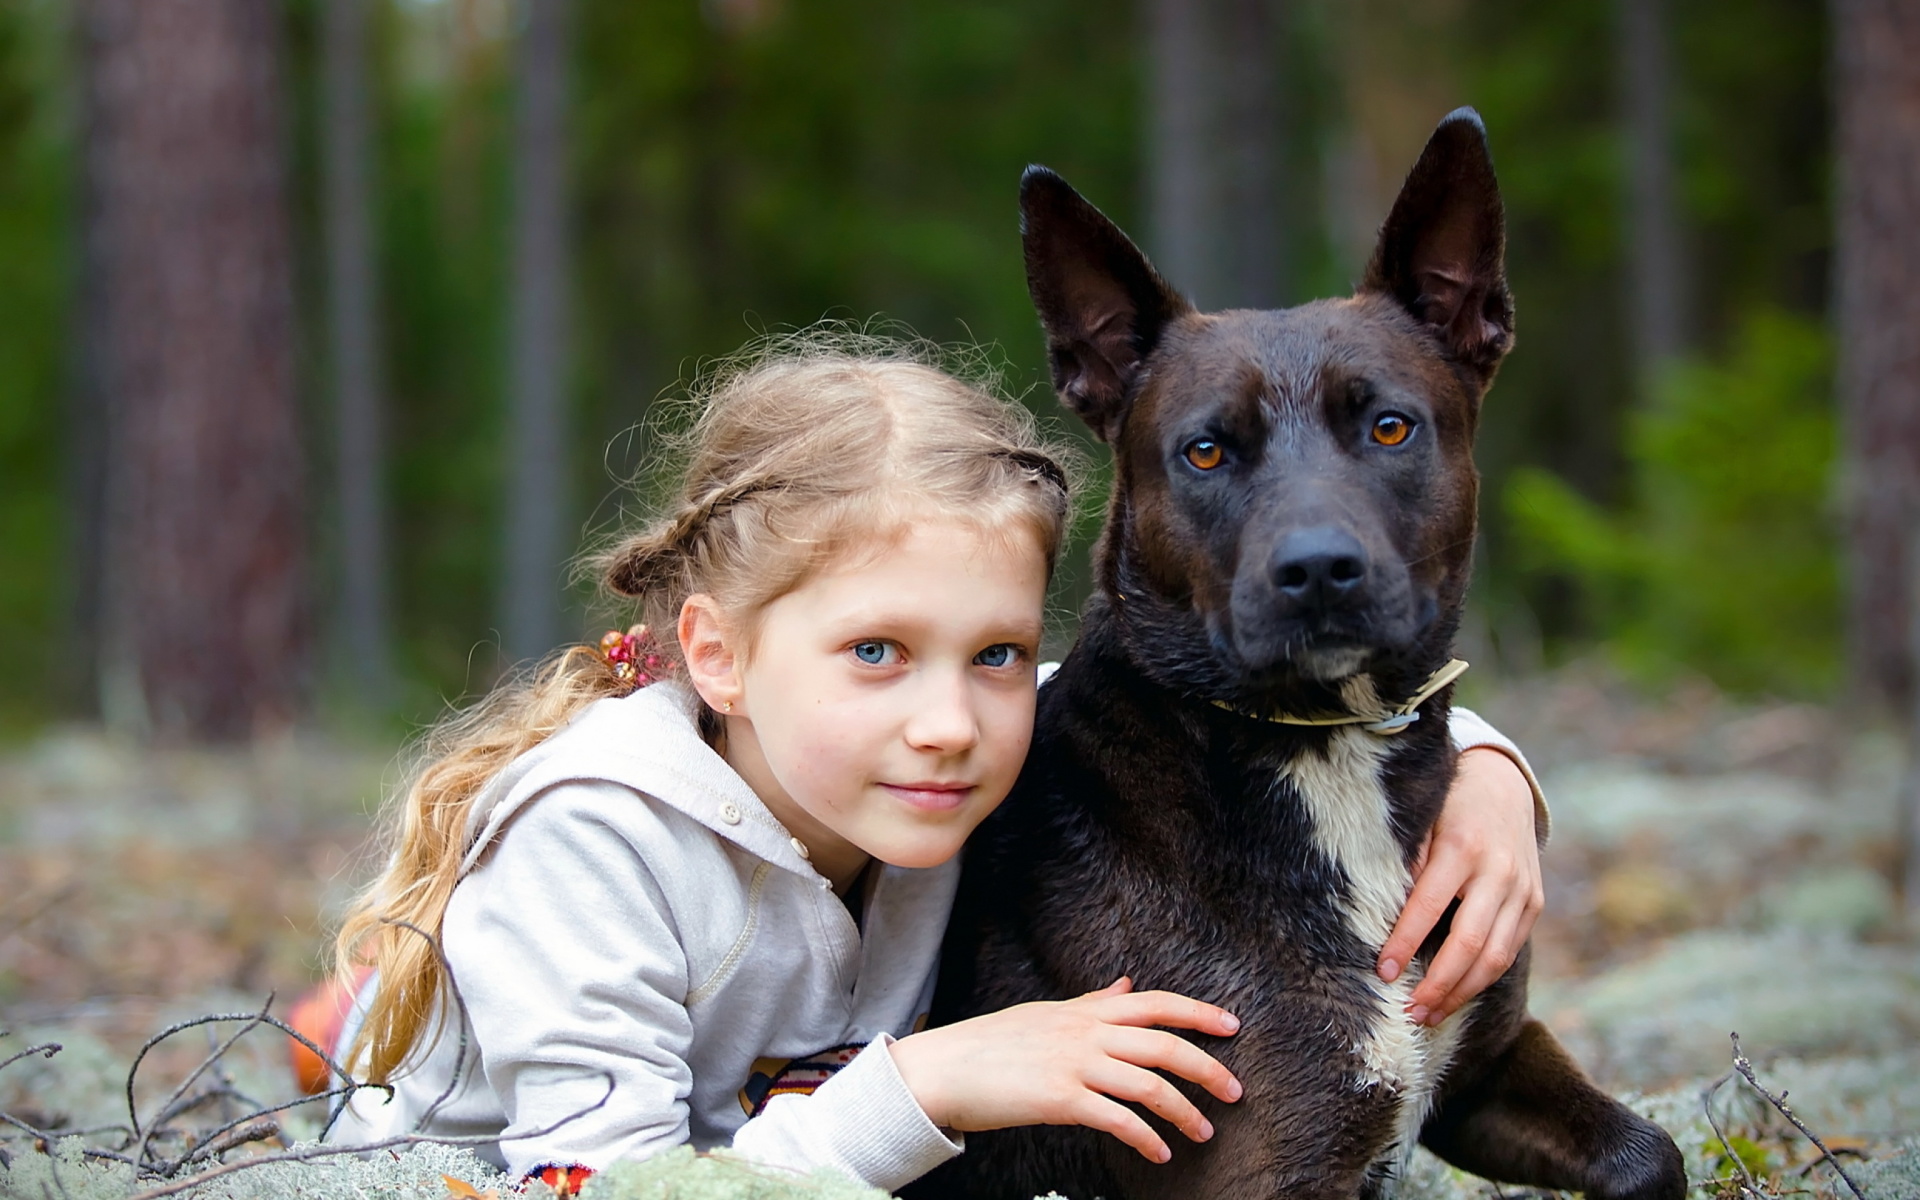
[(937, 797)]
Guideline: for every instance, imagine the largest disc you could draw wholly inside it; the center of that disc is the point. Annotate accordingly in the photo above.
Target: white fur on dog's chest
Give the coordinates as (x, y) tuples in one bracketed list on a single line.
[(1353, 827)]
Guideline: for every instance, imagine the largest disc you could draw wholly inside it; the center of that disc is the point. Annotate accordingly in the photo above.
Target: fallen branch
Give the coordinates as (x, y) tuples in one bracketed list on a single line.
[(44, 1049), (168, 1110), (1745, 1068), (460, 1002), (311, 1153), (259, 1131), (1749, 1185)]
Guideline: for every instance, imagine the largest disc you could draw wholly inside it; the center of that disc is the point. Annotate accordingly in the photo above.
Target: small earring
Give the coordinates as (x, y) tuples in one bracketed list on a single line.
[(727, 707)]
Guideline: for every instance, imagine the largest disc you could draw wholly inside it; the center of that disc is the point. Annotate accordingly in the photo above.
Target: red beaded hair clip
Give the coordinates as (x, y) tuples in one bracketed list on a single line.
[(634, 657)]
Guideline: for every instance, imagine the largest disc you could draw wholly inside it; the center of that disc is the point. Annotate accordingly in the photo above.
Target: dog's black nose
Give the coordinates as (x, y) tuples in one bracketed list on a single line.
[(1316, 566)]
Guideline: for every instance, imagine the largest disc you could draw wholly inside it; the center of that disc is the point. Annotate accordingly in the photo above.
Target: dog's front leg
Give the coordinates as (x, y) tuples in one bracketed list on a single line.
[(1532, 1117)]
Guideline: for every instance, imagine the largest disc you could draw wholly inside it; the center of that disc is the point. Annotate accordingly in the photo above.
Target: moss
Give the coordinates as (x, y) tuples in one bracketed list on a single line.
[(683, 1174)]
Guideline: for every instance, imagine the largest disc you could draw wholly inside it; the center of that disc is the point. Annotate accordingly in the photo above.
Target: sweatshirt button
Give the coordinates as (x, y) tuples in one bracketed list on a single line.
[(730, 813), (800, 847)]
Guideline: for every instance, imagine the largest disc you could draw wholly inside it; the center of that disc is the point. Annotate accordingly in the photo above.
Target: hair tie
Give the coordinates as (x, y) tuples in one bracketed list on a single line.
[(1039, 463), (634, 657)]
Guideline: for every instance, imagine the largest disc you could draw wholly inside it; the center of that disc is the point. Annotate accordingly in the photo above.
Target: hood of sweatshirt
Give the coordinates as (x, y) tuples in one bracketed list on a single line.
[(648, 741)]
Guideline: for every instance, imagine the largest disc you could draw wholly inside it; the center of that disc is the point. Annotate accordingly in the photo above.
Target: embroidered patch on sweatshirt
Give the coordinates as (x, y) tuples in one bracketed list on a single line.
[(793, 1076)]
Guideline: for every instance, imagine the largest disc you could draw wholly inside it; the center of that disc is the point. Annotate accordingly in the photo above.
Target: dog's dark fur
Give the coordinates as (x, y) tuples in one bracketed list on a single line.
[(1205, 850)]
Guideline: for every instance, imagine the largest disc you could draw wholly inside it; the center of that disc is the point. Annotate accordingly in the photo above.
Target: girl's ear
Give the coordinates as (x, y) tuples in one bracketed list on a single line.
[(707, 643)]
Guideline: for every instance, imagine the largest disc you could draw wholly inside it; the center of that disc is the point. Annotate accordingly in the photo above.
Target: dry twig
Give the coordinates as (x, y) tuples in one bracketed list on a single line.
[(1748, 1185), (312, 1153), (44, 1049), (1745, 1068), (460, 1002)]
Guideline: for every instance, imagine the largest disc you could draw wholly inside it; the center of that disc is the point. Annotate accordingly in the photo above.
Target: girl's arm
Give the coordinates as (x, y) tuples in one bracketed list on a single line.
[(1070, 1062), (1483, 851), (571, 974)]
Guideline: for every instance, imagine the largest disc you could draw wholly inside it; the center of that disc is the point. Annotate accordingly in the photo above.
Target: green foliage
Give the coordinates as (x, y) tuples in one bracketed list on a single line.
[(33, 299), (1724, 562), (1741, 1152), (751, 167), (1751, 152), (444, 105)]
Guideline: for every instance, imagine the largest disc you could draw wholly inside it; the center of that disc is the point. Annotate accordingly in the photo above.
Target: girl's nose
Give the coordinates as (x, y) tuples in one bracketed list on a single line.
[(944, 720)]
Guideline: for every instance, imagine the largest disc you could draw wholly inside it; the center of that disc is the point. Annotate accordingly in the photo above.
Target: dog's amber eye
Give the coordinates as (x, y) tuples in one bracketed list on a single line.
[(1204, 454), (1392, 429)]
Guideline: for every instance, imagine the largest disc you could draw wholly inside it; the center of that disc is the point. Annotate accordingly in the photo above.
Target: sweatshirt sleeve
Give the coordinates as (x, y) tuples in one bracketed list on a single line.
[(562, 1006), (1471, 731)]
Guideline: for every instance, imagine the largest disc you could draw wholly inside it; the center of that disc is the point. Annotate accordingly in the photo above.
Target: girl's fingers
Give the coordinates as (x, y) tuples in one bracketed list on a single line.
[(1533, 901), (1119, 987), (1098, 1112), (1161, 1098), (1473, 925), (1161, 1051), (1438, 885), (1170, 1009), (1502, 946)]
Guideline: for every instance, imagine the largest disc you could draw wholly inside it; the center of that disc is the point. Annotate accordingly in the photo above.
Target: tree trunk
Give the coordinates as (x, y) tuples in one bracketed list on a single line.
[(1657, 278), (204, 634), (1910, 794), (537, 542), (1877, 260), (353, 328), (88, 415), (1216, 145)]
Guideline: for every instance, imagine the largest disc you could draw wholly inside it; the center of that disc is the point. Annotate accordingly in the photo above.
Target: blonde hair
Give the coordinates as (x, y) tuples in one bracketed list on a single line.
[(803, 449)]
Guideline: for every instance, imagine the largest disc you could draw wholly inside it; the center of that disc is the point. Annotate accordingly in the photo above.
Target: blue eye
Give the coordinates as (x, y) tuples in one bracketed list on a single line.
[(1002, 655), (873, 653)]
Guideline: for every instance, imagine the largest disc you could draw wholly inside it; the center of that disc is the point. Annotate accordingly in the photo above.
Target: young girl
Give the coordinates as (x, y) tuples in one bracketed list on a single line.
[(708, 909)]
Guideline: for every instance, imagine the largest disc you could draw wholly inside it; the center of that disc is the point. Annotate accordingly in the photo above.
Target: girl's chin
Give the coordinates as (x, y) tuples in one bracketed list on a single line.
[(919, 853)]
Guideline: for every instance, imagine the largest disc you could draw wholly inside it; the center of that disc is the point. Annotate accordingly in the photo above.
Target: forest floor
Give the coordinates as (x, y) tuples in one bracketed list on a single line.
[(1714, 868)]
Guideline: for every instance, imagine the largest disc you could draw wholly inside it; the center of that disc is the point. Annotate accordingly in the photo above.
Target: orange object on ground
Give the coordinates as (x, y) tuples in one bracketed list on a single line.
[(320, 1015), (565, 1181)]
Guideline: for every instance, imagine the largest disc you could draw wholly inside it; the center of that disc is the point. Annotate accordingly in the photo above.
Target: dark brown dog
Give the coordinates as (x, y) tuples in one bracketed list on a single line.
[(1290, 534)]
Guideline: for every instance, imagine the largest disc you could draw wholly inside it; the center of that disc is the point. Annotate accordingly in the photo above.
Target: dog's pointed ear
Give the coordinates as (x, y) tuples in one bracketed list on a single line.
[(1442, 252), (1100, 301)]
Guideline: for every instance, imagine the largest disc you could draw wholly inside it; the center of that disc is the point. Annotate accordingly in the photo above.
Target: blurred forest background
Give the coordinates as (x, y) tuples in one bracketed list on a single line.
[(324, 327), (329, 330)]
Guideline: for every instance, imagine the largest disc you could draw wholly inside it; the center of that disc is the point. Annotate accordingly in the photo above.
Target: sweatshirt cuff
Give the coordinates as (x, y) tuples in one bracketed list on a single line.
[(869, 1125), (1471, 732)]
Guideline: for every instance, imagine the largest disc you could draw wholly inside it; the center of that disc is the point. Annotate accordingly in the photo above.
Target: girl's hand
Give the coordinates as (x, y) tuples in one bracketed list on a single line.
[(1069, 1062), (1482, 851)]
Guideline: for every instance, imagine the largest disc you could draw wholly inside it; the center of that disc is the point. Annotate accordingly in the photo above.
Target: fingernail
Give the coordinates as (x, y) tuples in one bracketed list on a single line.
[(1206, 1129), (1389, 970), (1229, 1022), (1163, 1155), (1417, 1014), (1234, 1090)]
